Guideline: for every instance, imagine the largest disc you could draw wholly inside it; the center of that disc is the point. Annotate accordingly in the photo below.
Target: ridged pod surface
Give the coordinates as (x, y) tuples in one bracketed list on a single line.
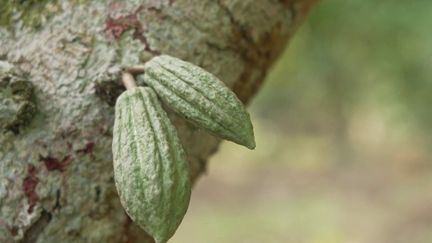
[(150, 166), (200, 97)]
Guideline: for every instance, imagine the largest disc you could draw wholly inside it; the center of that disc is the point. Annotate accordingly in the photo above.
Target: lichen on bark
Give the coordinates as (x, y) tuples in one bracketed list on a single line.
[(56, 176)]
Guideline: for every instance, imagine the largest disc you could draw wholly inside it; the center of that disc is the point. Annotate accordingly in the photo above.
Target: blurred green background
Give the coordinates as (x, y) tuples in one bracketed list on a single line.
[(344, 137)]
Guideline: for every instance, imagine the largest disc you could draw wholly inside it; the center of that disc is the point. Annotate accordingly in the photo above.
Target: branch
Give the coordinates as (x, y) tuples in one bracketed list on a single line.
[(56, 180)]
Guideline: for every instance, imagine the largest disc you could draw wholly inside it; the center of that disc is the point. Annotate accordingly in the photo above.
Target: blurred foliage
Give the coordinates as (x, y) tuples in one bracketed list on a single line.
[(344, 135), (351, 55)]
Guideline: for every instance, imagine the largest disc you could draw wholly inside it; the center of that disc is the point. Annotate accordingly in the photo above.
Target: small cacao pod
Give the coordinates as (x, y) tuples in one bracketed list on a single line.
[(150, 167), (200, 97)]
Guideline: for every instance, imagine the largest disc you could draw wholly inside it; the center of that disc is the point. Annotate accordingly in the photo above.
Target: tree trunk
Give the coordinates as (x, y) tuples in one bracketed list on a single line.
[(59, 65)]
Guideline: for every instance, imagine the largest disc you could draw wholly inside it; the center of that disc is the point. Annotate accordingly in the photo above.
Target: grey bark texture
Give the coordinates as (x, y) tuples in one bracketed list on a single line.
[(59, 71)]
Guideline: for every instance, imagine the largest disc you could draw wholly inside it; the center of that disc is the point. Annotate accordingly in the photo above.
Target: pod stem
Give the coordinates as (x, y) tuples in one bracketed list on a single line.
[(137, 69), (128, 80)]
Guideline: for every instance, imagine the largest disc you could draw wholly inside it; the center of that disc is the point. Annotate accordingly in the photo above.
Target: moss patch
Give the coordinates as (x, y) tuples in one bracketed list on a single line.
[(30, 12)]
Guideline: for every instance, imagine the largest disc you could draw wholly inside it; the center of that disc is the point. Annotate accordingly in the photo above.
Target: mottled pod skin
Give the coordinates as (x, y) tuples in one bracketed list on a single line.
[(150, 166), (200, 97)]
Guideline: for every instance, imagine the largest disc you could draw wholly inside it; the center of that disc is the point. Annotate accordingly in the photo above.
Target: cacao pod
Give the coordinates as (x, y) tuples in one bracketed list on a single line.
[(200, 97), (150, 167)]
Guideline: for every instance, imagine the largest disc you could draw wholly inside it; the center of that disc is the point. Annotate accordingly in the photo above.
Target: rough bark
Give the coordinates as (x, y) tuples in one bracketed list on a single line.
[(56, 179)]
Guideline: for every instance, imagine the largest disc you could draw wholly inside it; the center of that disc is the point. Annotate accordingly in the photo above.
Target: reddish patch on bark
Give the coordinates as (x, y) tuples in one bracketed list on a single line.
[(13, 230), (29, 187), (115, 27), (88, 149), (52, 163)]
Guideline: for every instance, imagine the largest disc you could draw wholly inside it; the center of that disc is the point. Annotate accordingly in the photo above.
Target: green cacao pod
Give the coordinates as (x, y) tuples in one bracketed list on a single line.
[(200, 97), (150, 167)]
